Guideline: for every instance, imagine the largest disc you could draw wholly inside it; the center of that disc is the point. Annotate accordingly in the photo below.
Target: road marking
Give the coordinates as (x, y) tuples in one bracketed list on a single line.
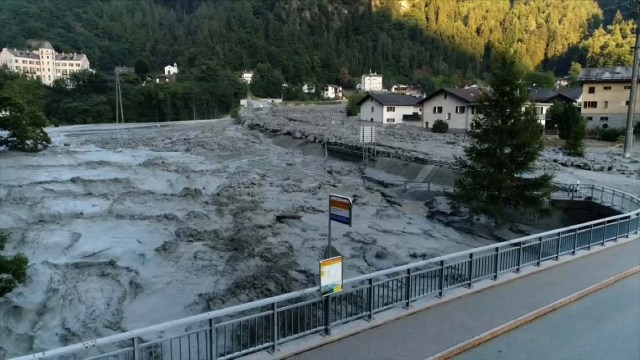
[(529, 317)]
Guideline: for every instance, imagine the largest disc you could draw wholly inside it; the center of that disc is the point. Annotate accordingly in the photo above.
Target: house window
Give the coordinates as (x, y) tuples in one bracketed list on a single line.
[(460, 109), (604, 118), (437, 109), (473, 110), (606, 104), (627, 87), (448, 116), (626, 103), (606, 88), (590, 104), (445, 96), (372, 109), (17, 68), (391, 108), (539, 110), (24, 61), (589, 118), (592, 89), (391, 120)]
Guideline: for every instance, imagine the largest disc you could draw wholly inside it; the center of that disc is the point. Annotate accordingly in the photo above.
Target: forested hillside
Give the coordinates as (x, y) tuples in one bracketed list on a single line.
[(429, 43), (310, 40)]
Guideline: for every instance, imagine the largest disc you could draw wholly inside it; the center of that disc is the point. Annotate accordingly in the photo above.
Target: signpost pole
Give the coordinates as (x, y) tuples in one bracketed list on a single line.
[(329, 251)]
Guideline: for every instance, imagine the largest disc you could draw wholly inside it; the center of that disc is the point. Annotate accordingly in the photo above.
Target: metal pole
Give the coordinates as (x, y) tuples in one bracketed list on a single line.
[(441, 280), (575, 242), (274, 327), (497, 264), (370, 299), (470, 274), (628, 139), (327, 315), (408, 288), (136, 348), (117, 98), (519, 257), (540, 251), (329, 251), (213, 339)]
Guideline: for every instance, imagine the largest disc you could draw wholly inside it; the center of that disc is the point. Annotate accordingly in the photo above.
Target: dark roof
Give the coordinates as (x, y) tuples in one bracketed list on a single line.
[(469, 95), (392, 99), (572, 93), (609, 74), (542, 95), (551, 95)]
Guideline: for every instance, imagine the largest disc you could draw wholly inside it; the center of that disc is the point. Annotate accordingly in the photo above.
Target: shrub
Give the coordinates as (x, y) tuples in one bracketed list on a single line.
[(575, 144), (13, 270), (440, 126), (353, 109), (611, 134)]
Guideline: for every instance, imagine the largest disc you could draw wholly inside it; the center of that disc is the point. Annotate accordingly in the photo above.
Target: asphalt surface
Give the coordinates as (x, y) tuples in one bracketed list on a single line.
[(602, 326), (434, 330)]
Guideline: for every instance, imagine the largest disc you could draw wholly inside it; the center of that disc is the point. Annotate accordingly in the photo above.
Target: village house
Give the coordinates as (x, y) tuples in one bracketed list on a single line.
[(333, 92), (171, 69), (391, 109), (457, 106), (44, 64), (605, 97), (406, 90), (371, 82), (247, 77)]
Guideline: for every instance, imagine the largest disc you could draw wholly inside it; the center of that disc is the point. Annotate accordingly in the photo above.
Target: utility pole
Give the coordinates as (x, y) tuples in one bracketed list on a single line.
[(628, 139), (119, 107)]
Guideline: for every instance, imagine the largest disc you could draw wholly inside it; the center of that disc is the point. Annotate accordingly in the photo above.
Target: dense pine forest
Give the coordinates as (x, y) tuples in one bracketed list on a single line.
[(428, 43)]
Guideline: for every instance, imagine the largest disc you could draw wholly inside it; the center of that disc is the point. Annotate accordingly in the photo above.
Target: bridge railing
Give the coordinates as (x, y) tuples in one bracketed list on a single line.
[(264, 324)]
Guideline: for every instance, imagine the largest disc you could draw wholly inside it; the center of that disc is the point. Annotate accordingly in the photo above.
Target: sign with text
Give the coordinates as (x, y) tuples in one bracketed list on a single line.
[(331, 276), (367, 134), (340, 209)]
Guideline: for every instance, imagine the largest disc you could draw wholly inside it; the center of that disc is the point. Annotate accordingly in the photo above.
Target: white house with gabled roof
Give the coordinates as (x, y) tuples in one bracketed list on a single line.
[(391, 109)]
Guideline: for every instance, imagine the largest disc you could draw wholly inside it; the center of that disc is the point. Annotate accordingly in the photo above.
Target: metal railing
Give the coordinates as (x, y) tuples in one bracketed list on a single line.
[(264, 324)]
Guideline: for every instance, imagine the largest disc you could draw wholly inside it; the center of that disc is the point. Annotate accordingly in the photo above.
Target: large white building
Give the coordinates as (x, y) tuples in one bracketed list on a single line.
[(391, 109), (371, 82), (44, 64)]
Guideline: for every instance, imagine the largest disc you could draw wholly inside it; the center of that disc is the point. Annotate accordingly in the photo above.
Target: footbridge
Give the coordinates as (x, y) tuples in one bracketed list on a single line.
[(288, 325)]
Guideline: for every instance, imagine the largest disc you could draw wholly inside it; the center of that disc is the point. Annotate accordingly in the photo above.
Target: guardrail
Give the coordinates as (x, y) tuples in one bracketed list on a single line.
[(264, 324)]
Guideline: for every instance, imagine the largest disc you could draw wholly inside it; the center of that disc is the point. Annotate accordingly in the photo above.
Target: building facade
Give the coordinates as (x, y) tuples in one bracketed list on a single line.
[(371, 82), (247, 77), (391, 109), (333, 92), (457, 106), (605, 97), (171, 69), (44, 64)]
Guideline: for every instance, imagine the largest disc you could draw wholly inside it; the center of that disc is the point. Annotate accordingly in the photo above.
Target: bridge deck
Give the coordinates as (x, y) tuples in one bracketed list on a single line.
[(431, 331)]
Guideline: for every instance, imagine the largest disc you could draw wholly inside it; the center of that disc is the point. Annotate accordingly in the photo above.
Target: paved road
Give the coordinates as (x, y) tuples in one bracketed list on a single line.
[(603, 326), (434, 330)]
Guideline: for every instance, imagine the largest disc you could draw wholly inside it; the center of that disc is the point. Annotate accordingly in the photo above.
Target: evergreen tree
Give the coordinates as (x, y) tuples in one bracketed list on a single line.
[(267, 82), (575, 143), (13, 270), (141, 68), (496, 172), (22, 119)]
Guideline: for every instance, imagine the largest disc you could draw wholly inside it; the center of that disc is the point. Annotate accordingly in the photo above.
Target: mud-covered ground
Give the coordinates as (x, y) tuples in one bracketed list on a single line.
[(130, 226)]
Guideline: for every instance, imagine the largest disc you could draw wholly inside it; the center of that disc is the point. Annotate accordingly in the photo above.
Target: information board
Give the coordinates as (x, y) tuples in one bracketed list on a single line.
[(340, 209), (331, 276), (367, 134)]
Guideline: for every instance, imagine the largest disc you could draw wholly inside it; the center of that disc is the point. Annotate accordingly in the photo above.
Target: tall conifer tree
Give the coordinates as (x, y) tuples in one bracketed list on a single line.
[(497, 171)]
